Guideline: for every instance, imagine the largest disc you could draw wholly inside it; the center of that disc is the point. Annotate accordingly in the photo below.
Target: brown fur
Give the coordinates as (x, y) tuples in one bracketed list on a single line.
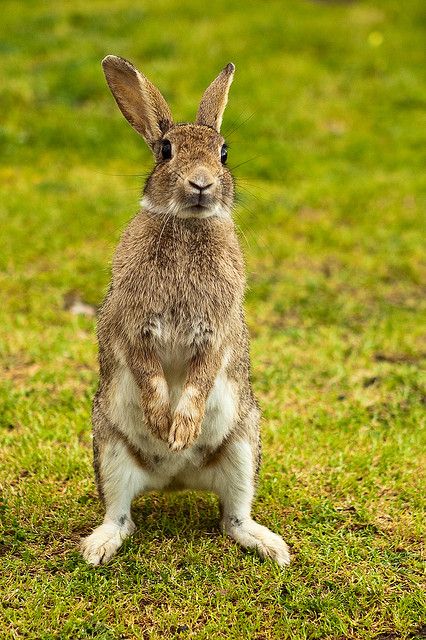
[(198, 276), (174, 394), (176, 271), (214, 100), (150, 117)]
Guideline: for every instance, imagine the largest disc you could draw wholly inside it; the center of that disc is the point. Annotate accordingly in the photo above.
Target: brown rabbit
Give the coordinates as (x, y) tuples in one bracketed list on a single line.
[(174, 407)]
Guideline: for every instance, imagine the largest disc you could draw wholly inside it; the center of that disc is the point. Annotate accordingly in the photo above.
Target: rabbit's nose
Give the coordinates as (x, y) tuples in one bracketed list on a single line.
[(199, 185), (200, 180)]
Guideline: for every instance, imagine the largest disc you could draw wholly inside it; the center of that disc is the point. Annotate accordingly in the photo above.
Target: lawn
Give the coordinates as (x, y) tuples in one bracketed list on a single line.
[(326, 124)]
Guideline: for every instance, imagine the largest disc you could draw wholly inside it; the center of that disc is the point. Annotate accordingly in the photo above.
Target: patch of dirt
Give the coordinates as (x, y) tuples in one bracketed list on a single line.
[(74, 303), (368, 382), (399, 358), (21, 371), (310, 214), (417, 634)]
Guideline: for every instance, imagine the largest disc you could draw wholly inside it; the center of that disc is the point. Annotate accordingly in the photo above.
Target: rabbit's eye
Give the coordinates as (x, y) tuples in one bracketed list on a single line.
[(166, 149), (224, 154)]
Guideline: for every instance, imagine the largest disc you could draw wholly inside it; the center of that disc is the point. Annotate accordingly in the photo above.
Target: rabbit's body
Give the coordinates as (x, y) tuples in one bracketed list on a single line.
[(169, 305), (174, 407)]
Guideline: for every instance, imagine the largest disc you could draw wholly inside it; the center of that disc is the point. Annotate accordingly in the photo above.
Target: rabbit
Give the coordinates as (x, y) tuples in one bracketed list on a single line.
[(174, 407)]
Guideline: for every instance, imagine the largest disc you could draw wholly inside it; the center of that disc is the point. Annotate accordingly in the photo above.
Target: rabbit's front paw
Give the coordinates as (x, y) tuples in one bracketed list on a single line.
[(186, 425), (102, 544), (183, 432), (156, 408), (159, 423)]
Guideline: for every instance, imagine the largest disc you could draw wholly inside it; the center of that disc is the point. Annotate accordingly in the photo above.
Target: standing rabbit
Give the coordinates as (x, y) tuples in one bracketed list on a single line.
[(174, 407)]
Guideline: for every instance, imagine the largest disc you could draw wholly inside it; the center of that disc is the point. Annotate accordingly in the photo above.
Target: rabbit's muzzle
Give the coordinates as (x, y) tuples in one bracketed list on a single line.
[(200, 188)]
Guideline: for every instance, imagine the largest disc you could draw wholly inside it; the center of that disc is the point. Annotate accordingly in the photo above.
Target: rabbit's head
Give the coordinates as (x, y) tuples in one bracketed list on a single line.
[(190, 178)]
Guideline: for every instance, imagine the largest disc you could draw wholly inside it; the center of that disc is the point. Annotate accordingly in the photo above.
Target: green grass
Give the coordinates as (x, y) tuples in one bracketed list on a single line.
[(328, 102)]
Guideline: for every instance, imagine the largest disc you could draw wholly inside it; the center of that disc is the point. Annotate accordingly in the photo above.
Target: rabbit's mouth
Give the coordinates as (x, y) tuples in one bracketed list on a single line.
[(200, 210), (200, 203)]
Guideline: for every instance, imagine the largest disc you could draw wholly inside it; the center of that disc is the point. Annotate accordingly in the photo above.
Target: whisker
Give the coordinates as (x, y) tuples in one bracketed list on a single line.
[(168, 217), (227, 134), (240, 230), (244, 162), (253, 195), (123, 175)]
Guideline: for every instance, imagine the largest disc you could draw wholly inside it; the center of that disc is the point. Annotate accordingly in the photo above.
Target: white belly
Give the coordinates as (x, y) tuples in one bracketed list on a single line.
[(125, 411)]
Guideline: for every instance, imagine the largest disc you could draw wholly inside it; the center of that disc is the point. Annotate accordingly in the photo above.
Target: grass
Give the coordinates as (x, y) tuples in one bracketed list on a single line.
[(328, 105)]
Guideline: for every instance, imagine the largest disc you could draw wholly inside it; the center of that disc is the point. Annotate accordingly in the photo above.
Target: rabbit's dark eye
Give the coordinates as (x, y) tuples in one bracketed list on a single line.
[(166, 149), (224, 154)]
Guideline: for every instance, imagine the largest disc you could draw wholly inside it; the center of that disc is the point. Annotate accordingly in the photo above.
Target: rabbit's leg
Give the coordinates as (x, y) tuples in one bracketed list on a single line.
[(120, 479), (154, 393), (189, 413), (233, 481)]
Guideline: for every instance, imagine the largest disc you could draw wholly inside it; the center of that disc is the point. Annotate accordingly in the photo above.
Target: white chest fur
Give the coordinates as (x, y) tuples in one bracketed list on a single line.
[(126, 413)]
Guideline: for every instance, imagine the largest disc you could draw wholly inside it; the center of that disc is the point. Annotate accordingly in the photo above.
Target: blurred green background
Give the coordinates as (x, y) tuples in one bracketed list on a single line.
[(326, 122)]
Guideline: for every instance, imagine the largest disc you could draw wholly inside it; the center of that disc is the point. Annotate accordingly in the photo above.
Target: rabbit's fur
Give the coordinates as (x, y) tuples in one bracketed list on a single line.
[(174, 407)]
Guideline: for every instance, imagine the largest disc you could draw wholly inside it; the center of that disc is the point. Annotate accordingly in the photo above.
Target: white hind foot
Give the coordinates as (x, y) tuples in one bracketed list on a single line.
[(102, 544), (120, 479), (233, 479), (251, 535)]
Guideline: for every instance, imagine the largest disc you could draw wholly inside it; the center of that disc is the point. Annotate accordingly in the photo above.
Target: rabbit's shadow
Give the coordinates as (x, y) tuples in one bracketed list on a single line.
[(188, 514)]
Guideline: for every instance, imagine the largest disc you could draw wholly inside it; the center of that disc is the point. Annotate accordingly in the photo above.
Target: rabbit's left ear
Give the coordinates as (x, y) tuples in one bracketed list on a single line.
[(213, 102)]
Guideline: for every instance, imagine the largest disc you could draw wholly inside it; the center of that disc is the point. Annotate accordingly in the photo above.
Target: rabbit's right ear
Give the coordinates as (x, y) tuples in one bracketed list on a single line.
[(213, 102), (139, 101)]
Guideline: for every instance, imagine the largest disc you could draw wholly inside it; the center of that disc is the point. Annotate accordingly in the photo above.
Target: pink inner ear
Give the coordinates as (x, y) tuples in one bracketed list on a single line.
[(139, 100)]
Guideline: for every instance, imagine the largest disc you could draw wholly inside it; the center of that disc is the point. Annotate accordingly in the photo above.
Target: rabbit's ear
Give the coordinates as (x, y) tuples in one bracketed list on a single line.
[(139, 101), (213, 102)]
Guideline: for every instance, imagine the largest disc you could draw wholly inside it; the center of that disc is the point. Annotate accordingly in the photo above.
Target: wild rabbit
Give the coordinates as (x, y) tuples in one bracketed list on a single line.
[(175, 407)]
